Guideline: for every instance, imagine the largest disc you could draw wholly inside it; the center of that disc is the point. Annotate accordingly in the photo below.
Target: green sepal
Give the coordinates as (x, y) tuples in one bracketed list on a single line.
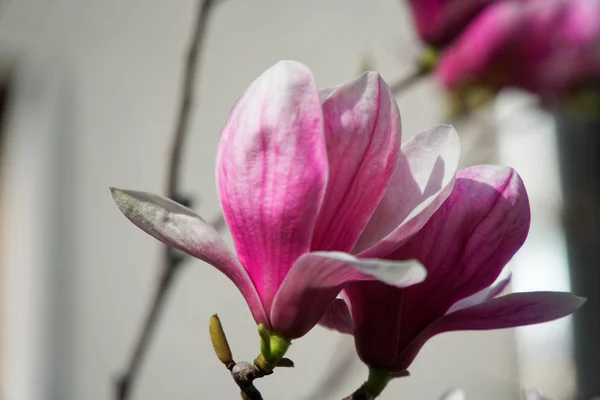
[(272, 349), (285, 363), (429, 59)]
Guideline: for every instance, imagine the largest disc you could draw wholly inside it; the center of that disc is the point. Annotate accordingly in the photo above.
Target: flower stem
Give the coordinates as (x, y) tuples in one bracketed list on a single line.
[(172, 259), (376, 382)]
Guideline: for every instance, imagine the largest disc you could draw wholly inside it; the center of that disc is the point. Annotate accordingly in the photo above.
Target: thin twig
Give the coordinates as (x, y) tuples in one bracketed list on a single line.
[(187, 91), (406, 82), (172, 260), (342, 362)]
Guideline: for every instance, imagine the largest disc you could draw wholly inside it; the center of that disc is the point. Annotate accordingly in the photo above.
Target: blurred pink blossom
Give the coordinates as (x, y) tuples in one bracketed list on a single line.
[(544, 46), (438, 22)]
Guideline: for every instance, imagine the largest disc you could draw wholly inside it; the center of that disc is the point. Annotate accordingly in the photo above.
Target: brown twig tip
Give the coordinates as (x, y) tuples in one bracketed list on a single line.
[(244, 373), (219, 341)]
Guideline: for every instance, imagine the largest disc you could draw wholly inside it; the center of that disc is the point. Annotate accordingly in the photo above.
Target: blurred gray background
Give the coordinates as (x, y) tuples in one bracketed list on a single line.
[(77, 275)]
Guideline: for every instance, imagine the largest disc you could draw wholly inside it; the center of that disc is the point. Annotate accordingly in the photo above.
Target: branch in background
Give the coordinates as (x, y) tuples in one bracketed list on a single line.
[(172, 259), (405, 83), (343, 361)]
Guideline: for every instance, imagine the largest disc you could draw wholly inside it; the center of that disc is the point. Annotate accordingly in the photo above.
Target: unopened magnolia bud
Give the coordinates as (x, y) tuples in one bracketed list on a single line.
[(219, 341)]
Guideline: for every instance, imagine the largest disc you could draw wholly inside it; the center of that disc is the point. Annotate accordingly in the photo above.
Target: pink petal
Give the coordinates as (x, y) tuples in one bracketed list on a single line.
[(362, 132), (439, 22), (272, 172), (481, 45), (338, 317), (377, 313), (517, 309), (466, 243), (423, 179), (179, 227), (485, 294), (316, 279)]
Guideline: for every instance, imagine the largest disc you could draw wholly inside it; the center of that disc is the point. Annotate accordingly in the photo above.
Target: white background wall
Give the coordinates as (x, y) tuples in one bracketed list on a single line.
[(122, 60)]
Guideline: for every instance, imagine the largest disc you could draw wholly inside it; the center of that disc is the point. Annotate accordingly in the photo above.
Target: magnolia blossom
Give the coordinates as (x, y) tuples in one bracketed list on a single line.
[(465, 246), (440, 21), (544, 46), (312, 185)]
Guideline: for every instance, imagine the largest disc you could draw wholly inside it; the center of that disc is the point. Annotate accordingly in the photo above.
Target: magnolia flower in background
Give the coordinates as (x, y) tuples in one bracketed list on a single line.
[(550, 47), (465, 246), (309, 182), (438, 22)]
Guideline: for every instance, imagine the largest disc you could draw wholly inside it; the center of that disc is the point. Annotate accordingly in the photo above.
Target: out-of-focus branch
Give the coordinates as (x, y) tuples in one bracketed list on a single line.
[(408, 81), (339, 368), (172, 259)]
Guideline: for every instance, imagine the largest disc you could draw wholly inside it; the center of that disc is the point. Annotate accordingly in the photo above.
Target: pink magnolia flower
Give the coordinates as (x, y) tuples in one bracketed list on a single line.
[(440, 21), (464, 246), (308, 182), (545, 46)]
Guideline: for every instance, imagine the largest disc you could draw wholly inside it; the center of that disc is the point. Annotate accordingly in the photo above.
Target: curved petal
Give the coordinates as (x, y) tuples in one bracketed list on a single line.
[(362, 132), (423, 179), (466, 243), (316, 279), (517, 309), (179, 227), (377, 313), (485, 294), (272, 172), (440, 22), (337, 317), (480, 52)]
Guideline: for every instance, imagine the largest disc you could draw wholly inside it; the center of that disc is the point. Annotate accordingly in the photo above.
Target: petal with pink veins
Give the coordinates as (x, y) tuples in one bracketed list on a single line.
[(179, 227), (423, 179), (517, 309), (362, 133), (485, 294), (272, 172), (338, 317), (317, 278), (468, 241)]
